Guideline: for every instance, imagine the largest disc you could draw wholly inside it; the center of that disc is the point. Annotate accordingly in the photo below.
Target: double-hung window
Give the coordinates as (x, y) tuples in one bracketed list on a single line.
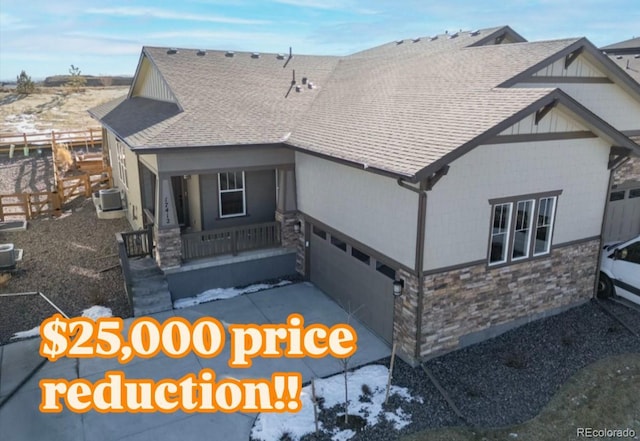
[(231, 194), (122, 164), (521, 227)]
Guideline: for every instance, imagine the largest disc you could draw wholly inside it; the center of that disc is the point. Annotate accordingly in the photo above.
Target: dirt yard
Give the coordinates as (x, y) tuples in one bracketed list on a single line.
[(71, 259), (54, 108)]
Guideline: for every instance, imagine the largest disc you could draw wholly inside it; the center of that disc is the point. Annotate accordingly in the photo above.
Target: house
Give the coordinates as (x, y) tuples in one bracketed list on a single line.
[(623, 213), (443, 189)]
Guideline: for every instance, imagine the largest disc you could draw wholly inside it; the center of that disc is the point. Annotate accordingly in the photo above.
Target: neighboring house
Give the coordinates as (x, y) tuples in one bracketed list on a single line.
[(472, 170), (623, 214)]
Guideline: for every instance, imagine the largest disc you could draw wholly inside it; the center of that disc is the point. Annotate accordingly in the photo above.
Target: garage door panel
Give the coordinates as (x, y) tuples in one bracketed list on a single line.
[(354, 285)]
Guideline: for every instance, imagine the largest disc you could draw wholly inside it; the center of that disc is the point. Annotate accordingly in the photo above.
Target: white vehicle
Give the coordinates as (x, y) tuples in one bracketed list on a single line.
[(620, 270)]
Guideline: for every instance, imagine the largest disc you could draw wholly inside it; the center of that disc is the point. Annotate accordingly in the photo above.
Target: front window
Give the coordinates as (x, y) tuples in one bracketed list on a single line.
[(521, 228), (231, 194)]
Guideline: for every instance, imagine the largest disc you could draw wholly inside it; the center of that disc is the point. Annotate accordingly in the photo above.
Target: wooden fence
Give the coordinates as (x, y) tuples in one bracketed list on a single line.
[(31, 205), (24, 142)]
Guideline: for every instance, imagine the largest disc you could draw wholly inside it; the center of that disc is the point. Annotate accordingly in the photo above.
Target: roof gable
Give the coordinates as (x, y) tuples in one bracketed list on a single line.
[(149, 83), (588, 55)]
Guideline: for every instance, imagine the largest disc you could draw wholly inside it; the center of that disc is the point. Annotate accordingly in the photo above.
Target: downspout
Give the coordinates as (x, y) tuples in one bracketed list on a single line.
[(604, 219), (419, 258)]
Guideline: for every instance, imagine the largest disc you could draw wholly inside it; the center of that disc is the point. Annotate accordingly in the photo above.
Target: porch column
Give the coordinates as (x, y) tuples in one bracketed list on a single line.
[(286, 209), (168, 241)]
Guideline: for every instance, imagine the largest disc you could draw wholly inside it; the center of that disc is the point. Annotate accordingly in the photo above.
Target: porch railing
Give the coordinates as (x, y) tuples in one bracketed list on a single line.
[(230, 240), (138, 243)]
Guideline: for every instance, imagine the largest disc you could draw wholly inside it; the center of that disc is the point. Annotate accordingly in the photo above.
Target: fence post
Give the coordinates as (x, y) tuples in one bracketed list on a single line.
[(27, 205), (87, 185), (56, 204)]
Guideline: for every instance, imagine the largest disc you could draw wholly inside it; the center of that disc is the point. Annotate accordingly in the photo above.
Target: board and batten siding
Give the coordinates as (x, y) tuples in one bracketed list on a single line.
[(581, 67), (364, 206), (458, 210), (150, 84), (554, 121), (609, 101)]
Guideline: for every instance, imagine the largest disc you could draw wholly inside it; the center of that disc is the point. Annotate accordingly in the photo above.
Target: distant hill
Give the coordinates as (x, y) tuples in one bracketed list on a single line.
[(92, 81)]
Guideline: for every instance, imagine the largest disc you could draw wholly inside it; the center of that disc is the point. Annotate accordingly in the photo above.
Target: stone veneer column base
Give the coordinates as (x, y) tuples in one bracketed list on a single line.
[(289, 237), (476, 299), (627, 172), (168, 247), (405, 311)]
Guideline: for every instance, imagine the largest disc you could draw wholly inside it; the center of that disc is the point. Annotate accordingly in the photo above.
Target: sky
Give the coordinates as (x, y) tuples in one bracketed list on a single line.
[(45, 37)]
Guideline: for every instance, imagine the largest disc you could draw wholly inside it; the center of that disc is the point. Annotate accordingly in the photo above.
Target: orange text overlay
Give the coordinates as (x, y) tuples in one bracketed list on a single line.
[(177, 337), (117, 394)]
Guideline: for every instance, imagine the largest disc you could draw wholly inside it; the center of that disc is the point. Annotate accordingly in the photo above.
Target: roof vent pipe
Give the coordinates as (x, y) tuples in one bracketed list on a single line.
[(304, 80), (172, 51), (298, 88), (229, 54), (201, 53), (255, 55)]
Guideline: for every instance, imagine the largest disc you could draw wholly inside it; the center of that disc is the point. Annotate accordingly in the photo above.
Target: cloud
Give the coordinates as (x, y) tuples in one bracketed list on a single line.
[(331, 5), (11, 23), (164, 14)]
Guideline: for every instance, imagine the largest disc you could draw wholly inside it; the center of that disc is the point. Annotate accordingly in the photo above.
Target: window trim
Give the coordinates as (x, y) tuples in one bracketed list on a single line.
[(234, 190), (513, 203), (122, 164)]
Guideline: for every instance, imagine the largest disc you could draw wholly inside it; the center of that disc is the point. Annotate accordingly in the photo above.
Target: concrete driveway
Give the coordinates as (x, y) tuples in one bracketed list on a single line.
[(20, 418)]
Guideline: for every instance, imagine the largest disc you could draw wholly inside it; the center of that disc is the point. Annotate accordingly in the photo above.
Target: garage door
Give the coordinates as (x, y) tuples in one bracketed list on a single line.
[(355, 280), (623, 213)]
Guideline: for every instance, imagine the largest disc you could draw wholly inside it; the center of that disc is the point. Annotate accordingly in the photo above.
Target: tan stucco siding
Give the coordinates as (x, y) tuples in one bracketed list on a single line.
[(581, 67), (220, 159), (150, 84), (555, 121), (130, 190), (458, 209), (133, 195), (369, 208), (609, 101)]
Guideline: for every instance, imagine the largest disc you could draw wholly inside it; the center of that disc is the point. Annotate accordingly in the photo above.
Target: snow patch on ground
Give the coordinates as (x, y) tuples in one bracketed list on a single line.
[(26, 334), (271, 426), (96, 312), (224, 293)]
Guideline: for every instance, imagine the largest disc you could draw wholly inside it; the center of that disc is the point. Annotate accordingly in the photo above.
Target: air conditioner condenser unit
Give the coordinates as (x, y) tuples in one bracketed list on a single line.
[(110, 199), (7, 256)]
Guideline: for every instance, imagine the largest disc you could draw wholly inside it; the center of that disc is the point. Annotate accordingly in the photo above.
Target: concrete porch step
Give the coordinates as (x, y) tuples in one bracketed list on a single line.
[(143, 268), (149, 287)]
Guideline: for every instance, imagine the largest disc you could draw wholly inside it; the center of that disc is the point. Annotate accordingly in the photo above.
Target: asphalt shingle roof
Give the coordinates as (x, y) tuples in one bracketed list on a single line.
[(397, 107), (400, 114), (229, 100)]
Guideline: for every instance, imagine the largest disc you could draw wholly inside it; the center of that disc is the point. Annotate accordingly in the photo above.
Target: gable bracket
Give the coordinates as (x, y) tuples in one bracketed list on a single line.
[(617, 156), (543, 112), (434, 178), (546, 109), (573, 56)]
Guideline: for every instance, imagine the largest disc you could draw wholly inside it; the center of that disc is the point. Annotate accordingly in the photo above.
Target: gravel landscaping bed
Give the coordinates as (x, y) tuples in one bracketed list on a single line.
[(510, 378), (62, 258)]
